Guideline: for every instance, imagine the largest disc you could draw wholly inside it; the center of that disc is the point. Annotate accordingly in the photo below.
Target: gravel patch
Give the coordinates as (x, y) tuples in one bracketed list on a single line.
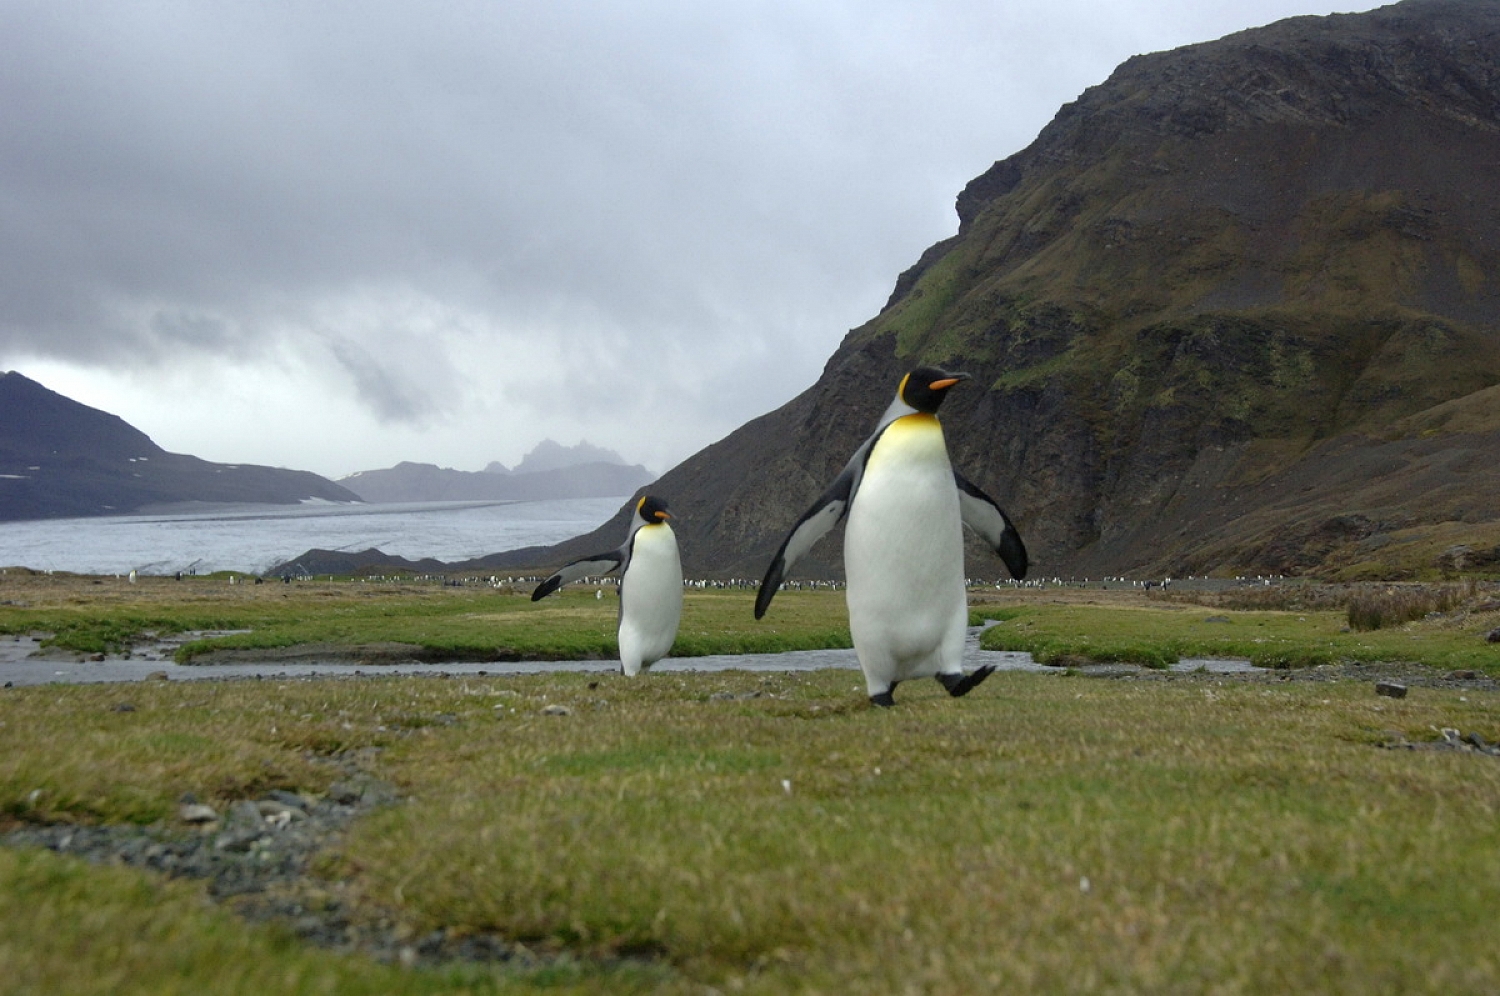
[(255, 859)]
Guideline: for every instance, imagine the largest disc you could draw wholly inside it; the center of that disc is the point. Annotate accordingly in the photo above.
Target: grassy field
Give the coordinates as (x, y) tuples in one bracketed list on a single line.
[(1114, 626), (432, 621), (771, 833)]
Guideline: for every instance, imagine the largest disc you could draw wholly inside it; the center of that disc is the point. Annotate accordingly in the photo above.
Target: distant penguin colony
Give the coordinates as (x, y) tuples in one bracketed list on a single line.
[(650, 585), (903, 545)]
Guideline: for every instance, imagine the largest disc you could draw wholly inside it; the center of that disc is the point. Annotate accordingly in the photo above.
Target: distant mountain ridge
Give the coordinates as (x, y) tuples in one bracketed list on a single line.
[(1236, 310), (591, 478), (552, 455), (60, 458)]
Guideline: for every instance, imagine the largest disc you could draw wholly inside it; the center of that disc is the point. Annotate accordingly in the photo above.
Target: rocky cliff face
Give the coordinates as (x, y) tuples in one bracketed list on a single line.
[(60, 458), (1237, 309)]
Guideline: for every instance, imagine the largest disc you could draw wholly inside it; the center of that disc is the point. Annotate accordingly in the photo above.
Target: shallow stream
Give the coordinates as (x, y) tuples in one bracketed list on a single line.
[(20, 665)]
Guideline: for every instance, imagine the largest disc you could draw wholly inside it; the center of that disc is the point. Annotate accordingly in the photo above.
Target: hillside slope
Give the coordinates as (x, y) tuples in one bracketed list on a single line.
[(59, 458), (1235, 310)]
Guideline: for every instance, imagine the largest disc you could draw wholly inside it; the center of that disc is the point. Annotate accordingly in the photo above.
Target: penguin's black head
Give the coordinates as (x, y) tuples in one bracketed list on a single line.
[(652, 509), (925, 387)]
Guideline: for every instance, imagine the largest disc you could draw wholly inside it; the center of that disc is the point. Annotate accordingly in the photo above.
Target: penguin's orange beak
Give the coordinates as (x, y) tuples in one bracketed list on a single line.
[(663, 515), (947, 382)]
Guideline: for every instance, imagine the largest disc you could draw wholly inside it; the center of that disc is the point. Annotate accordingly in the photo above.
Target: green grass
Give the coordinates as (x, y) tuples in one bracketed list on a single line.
[(437, 622), (1158, 636), (89, 929), (771, 833)]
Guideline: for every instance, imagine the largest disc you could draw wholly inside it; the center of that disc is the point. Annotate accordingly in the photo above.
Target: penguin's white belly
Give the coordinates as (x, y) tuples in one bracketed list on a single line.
[(903, 557), (650, 598)]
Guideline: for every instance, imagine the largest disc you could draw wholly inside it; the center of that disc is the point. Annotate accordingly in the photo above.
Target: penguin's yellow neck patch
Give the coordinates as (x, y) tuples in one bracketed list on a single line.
[(917, 420), (918, 437)]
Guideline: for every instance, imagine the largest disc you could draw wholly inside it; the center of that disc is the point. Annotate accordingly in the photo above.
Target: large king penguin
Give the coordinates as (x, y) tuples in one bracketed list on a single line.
[(903, 545), (650, 585)]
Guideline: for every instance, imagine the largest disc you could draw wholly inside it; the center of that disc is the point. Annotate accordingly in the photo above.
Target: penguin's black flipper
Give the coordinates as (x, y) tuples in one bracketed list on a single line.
[(813, 526), (963, 684), (981, 514), (599, 563)]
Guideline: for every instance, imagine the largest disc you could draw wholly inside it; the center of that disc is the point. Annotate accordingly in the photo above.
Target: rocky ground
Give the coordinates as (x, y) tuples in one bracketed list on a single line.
[(256, 859)]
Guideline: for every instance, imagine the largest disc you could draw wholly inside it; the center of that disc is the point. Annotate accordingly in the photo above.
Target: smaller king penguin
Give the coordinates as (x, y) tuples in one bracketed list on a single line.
[(903, 545), (650, 585)]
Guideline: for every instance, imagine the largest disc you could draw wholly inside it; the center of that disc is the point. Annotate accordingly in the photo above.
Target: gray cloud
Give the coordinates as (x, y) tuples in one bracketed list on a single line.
[(491, 221)]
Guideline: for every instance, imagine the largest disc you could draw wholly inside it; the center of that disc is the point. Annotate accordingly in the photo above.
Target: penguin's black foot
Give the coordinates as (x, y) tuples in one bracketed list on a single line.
[(963, 684), (885, 700)]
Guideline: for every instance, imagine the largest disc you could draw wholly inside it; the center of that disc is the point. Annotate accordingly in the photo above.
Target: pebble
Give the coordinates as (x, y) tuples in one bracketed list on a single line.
[(1390, 689), (246, 813), (274, 809), (287, 799), (361, 791), (556, 710)]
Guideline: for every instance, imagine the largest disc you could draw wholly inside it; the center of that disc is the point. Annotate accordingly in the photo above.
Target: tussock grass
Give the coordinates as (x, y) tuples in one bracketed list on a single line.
[(1394, 606), (1100, 628), (772, 833)]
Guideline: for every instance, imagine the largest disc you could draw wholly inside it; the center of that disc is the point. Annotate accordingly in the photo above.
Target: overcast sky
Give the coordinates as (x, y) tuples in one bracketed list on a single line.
[(336, 235)]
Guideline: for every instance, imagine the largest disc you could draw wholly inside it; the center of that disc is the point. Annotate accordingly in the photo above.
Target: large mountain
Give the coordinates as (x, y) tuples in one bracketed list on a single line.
[(1236, 309), (61, 458), (551, 470)]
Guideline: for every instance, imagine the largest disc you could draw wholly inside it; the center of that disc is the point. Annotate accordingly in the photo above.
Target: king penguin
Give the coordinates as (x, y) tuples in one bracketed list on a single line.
[(903, 544), (650, 585)]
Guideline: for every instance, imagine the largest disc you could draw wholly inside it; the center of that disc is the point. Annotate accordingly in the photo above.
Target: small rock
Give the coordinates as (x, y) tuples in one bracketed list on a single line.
[(287, 799), (270, 809), (1390, 689), (1494, 636), (122, 707), (196, 812), (556, 710), (1462, 675), (246, 813), (238, 840), (362, 790), (344, 793), (158, 676)]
